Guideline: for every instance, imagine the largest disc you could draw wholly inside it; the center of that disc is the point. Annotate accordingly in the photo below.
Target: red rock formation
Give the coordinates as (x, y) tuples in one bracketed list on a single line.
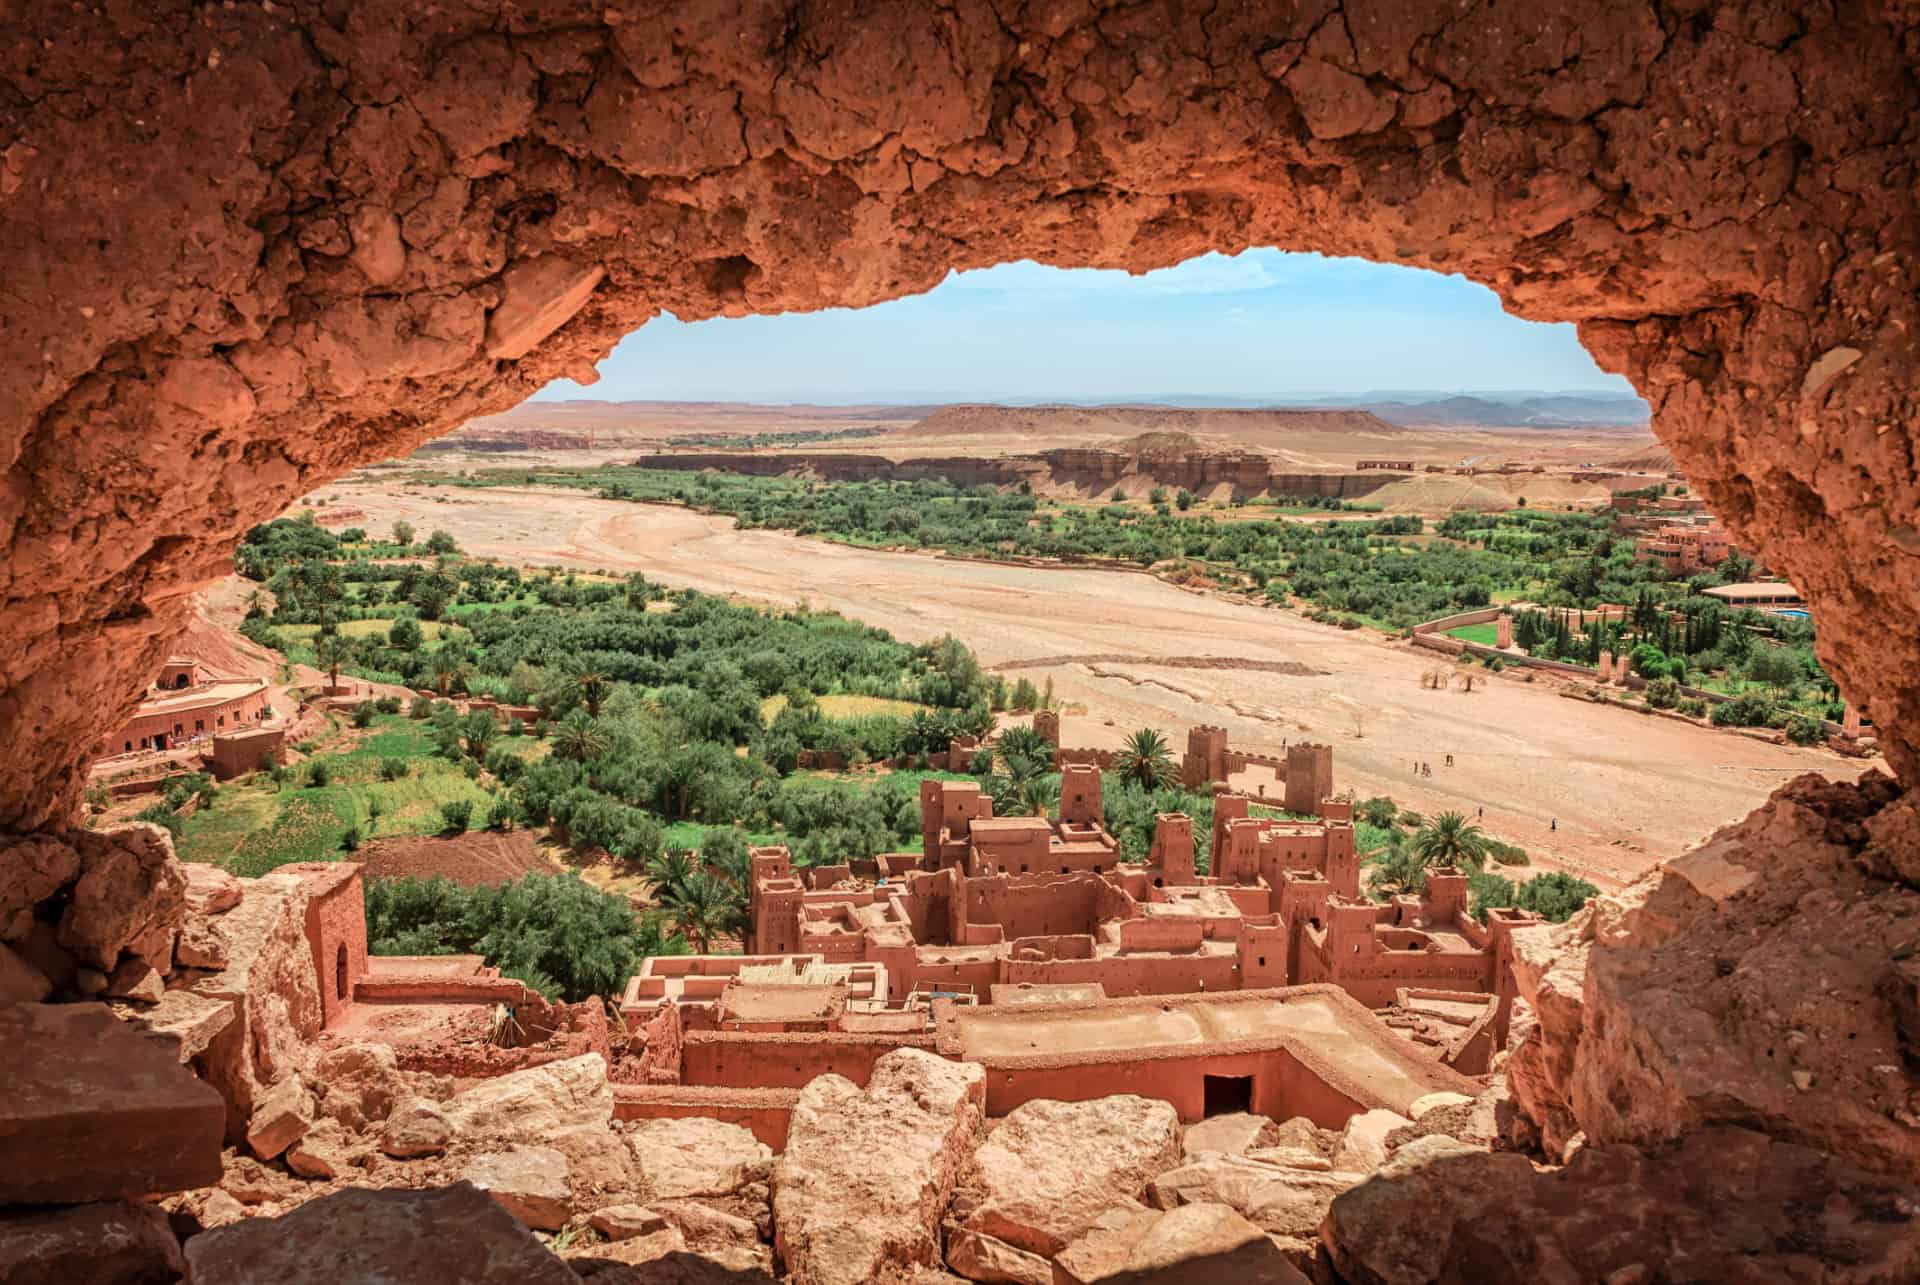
[(249, 247)]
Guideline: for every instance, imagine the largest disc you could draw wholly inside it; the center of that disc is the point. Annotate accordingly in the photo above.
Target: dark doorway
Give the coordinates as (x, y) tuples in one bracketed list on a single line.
[(1226, 1094), (340, 974)]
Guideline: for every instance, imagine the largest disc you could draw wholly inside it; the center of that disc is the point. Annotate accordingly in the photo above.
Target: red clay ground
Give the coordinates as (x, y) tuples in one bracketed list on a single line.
[(476, 858)]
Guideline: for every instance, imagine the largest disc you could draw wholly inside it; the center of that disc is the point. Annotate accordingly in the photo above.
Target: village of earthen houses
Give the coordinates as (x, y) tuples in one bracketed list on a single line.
[(457, 828)]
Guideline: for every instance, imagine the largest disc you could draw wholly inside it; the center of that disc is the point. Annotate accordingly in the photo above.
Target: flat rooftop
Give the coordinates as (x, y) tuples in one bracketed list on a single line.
[(1755, 591), (1321, 1026)]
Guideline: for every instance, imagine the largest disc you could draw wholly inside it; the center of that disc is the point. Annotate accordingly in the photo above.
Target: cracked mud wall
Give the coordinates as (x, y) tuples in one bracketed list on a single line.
[(244, 248)]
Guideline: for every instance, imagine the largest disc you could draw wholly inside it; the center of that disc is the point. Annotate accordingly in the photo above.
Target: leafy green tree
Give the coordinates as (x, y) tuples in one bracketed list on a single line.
[(557, 933), (1146, 759), (441, 542), (456, 815), (1451, 840), (1378, 811), (447, 669), (404, 634), (1184, 500), (403, 534)]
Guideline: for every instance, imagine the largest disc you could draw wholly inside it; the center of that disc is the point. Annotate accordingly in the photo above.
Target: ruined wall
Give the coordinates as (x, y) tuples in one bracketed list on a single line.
[(250, 247), (747, 1060)]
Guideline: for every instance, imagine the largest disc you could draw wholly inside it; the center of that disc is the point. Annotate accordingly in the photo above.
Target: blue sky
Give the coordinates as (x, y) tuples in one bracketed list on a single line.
[(1263, 324)]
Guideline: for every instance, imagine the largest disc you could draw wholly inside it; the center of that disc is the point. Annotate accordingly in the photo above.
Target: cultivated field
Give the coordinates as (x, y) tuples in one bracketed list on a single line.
[(1601, 791)]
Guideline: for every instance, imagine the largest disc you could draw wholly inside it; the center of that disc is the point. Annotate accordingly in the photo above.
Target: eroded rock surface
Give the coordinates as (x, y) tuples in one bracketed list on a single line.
[(361, 226), (1721, 1205), (867, 1173)]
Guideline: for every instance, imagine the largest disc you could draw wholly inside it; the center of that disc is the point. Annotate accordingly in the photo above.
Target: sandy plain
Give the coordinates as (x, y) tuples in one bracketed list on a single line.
[(1602, 792)]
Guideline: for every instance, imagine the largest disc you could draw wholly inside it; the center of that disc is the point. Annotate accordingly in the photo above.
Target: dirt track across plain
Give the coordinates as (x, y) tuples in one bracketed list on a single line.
[(1601, 792)]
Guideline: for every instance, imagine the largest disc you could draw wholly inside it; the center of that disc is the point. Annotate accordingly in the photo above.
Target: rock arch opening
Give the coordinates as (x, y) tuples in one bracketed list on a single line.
[(251, 248)]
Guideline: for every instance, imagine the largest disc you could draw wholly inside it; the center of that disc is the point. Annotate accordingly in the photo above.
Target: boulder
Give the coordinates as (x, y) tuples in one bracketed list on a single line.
[(93, 1110), (1231, 1135), (623, 1222), (359, 1083), (1724, 1204), (705, 1228), (327, 1151), (980, 1257), (416, 1127), (1287, 1203), (1191, 1245), (189, 1022), (32, 869), (1292, 1158), (282, 1114), (114, 1243), (698, 1157), (1363, 1143), (531, 1183), (252, 1183), (135, 979), (210, 890), (41, 948), (451, 1234), (1050, 1168), (535, 1103), (130, 885), (20, 981), (866, 1173), (200, 944), (1436, 1102), (217, 1209)]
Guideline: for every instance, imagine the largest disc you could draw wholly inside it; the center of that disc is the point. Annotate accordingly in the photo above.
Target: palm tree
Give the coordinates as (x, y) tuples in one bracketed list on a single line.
[(1038, 795), (1451, 840), (333, 651), (588, 685), (1025, 742), (1394, 866), (578, 737), (1146, 759), (670, 873), (446, 668), (480, 731), (707, 908)]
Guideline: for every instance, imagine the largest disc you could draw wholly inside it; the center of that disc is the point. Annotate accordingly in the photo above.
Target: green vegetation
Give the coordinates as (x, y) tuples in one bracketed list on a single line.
[(1552, 894), (1391, 573), (556, 933)]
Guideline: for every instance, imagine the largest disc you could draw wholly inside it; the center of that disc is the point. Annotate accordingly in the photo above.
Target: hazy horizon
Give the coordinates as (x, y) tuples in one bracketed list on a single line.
[(1262, 327)]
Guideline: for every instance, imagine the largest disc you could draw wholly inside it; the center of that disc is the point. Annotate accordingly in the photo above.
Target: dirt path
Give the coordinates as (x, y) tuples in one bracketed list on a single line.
[(1624, 790)]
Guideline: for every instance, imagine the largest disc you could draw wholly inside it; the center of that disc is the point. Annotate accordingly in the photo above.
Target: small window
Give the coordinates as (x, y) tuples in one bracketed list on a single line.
[(340, 973)]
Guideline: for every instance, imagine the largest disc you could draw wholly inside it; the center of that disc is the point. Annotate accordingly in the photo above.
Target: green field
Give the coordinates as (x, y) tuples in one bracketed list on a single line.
[(372, 628), (255, 826), (1486, 634), (844, 706)]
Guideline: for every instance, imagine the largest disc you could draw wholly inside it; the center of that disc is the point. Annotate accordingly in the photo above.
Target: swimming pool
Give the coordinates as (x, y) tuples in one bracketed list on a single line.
[(1795, 612)]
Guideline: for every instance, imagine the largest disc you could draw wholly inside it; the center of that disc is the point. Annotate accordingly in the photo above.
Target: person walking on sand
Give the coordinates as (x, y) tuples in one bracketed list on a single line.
[(1554, 824)]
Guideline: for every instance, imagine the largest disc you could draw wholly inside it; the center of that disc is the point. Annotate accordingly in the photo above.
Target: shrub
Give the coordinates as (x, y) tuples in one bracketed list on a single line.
[(1663, 693), (500, 815), (420, 707), (470, 770), (1692, 706), (350, 839), (981, 764), (363, 714), (392, 769), (557, 933), (456, 815), (375, 809), (1804, 729), (1507, 854), (388, 704), (161, 815), (516, 728), (1749, 709), (318, 773), (1184, 500), (1378, 811)]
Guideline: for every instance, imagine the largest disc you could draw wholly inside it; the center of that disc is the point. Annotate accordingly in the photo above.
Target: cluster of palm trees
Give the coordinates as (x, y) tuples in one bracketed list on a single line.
[(1399, 862), (702, 900)]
